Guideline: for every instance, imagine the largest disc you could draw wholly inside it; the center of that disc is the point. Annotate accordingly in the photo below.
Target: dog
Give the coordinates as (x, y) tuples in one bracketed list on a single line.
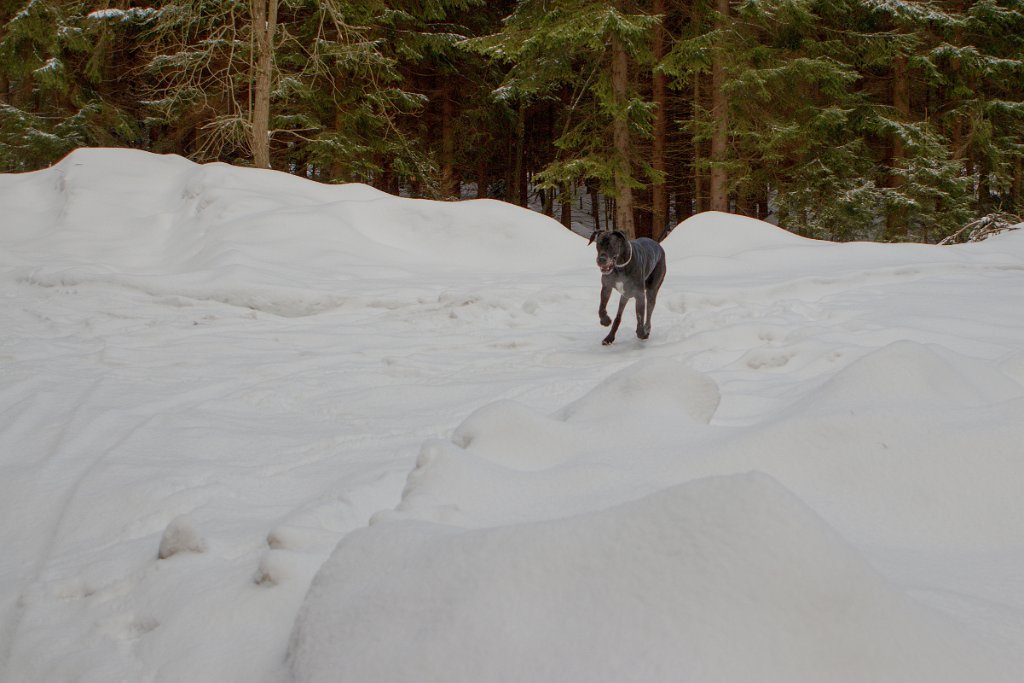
[(636, 268)]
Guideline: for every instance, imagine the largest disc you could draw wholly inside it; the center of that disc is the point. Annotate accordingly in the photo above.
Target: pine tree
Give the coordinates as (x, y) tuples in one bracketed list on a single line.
[(820, 116), (342, 93), (590, 48), (847, 118), (424, 41), (59, 85), (978, 68), (797, 121), (305, 82)]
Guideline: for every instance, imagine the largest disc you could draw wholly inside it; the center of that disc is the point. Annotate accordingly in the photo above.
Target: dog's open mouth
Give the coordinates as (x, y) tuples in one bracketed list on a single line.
[(606, 267)]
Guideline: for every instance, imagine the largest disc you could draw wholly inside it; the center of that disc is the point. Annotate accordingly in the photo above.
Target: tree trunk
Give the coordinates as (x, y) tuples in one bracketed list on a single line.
[(336, 170), (643, 224), (1015, 189), (958, 147), (264, 23), (565, 199), (762, 202), (745, 202), (720, 116), (547, 202), (448, 184), (481, 178), (682, 154), (896, 220), (595, 204), (620, 140), (509, 170), (519, 172), (984, 189), (659, 191), (699, 178)]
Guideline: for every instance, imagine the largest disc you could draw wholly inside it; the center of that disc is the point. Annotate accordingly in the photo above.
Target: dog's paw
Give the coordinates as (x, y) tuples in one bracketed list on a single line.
[(608, 340), (643, 333), (605, 320)]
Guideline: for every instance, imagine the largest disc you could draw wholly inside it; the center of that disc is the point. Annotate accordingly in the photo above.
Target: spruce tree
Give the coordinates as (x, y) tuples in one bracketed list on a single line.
[(978, 72), (60, 85), (824, 112), (585, 51), (319, 87), (423, 40)]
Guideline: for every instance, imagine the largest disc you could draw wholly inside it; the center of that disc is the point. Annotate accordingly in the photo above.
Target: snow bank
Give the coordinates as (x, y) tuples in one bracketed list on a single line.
[(687, 571), (881, 449), (258, 239), (719, 580), (508, 463), (741, 252), (910, 376), (713, 233)]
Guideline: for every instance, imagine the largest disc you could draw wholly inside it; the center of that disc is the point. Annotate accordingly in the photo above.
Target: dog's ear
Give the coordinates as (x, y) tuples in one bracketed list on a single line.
[(593, 236), (620, 234)]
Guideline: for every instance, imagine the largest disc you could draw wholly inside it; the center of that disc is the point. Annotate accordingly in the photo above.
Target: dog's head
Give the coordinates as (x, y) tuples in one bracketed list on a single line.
[(612, 248)]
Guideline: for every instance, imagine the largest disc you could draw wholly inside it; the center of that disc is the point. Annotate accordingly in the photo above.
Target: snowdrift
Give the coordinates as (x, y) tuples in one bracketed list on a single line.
[(260, 239), (308, 432), (670, 587), (723, 579), (882, 449)]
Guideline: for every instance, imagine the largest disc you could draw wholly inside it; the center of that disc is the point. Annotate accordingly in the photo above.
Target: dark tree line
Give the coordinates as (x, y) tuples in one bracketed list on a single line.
[(842, 119)]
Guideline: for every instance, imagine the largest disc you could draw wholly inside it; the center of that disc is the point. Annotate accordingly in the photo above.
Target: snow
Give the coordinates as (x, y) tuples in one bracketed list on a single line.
[(180, 537), (132, 14), (253, 428), (718, 579)]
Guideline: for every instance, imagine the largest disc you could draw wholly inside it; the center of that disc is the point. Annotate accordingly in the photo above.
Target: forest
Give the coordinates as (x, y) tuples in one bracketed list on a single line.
[(836, 119)]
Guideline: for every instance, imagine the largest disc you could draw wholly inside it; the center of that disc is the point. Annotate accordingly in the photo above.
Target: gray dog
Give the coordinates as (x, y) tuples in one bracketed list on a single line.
[(636, 268)]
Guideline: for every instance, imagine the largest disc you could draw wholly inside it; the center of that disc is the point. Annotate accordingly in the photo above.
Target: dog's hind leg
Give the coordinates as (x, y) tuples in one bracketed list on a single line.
[(653, 284), (615, 323), (643, 328)]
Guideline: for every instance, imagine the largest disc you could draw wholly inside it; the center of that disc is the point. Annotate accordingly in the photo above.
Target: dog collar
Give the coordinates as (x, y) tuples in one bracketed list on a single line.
[(623, 265)]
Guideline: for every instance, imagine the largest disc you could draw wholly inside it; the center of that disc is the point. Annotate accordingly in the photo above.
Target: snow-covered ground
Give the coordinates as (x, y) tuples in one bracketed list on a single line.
[(255, 429)]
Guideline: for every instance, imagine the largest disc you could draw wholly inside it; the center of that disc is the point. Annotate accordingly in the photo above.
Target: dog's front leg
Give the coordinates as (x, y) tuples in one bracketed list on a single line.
[(641, 314), (615, 324), (602, 311)]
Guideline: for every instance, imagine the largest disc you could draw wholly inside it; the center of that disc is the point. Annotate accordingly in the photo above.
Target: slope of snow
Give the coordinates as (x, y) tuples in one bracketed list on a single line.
[(719, 579), (253, 428), (259, 239)]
